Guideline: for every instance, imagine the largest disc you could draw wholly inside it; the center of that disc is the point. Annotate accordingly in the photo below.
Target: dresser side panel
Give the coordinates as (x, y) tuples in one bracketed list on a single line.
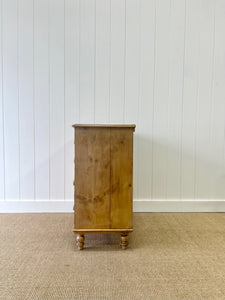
[(92, 178), (121, 177)]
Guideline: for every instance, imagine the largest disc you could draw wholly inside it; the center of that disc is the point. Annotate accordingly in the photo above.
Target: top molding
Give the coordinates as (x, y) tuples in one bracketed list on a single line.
[(106, 125)]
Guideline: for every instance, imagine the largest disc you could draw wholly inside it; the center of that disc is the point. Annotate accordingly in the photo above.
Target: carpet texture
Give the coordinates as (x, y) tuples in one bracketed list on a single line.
[(170, 256)]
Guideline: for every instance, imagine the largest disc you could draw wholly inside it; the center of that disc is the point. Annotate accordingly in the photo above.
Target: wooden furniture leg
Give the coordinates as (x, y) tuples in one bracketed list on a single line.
[(124, 240), (80, 241)]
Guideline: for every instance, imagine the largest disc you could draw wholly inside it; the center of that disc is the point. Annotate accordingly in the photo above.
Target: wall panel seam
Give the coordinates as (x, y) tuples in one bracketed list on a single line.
[(125, 54), (182, 99), (153, 102), (139, 93), (109, 79), (167, 108), (212, 108), (18, 99), (34, 115), (49, 100), (2, 94), (64, 95), (79, 38), (197, 112), (94, 92)]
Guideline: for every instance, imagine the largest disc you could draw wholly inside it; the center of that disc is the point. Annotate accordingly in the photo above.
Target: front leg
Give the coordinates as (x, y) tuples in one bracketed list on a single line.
[(80, 241), (124, 240)]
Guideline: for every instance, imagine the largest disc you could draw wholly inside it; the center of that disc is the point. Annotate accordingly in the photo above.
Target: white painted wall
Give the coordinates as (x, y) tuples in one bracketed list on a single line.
[(157, 63)]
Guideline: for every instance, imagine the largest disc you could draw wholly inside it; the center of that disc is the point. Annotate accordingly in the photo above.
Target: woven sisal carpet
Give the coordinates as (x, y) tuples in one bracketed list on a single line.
[(171, 256)]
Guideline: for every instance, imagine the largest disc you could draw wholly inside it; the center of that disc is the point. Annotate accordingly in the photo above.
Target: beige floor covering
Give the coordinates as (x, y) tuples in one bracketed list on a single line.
[(171, 256)]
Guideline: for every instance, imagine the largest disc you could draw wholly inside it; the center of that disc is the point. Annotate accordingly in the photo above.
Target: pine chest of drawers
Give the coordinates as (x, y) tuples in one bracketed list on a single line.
[(103, 197)]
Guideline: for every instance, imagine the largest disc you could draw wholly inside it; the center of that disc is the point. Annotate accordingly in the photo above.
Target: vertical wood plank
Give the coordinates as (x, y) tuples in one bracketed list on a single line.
[(11, 107), (175, 61), (117, 62), (160, 124), (204, 109), (87, 60), (2, 143), (121, 177), (190, 98), (132, 76), (71, 89), (41, 98), (218, 94), (92, 178), (102, 70), (147, 59), (57, 110), (26, 101)]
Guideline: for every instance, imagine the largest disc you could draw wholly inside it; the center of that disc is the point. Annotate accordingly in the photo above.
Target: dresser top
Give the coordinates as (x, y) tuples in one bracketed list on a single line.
[(106, 125)]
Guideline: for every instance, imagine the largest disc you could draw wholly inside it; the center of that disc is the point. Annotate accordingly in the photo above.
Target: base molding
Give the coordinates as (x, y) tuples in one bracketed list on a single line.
[(144, 205), (85, 231), (179, 206)]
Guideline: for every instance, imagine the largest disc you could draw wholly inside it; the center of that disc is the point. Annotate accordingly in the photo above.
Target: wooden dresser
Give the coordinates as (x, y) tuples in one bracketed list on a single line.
[(103, 197)]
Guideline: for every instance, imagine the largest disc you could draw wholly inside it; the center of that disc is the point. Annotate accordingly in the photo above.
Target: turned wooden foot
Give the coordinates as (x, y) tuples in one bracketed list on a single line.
[(80, 241), (124, 240)]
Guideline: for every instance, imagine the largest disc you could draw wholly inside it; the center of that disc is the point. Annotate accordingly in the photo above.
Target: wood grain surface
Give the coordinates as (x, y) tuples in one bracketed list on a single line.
[(103, 178), (121, 177), (92, 178)]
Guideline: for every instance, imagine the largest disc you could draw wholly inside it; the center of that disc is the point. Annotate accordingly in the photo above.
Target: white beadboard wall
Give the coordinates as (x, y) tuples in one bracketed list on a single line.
[(157, 63)]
